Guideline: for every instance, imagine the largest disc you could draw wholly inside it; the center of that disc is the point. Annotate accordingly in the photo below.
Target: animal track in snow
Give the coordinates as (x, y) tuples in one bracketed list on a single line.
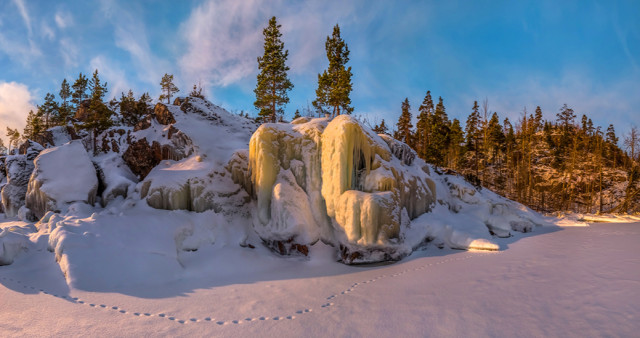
[(353, 287)]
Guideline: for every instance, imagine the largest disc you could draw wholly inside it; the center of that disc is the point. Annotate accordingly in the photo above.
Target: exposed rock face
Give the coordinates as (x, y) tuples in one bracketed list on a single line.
[(347, 187), (18, 171), (163, 115), (142, 157), (62, 175)]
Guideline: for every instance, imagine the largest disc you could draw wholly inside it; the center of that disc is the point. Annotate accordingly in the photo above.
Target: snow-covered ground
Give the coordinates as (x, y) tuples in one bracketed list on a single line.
[(556, 281)]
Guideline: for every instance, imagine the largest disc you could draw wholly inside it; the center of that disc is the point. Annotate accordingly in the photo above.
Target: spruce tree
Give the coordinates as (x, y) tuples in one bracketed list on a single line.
[(404, 125), (272, 80), (334, 84), (168, 88), (296, 114)]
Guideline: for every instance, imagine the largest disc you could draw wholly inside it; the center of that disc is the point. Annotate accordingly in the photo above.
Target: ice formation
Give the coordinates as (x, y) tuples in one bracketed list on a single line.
[(62, 175), (347, 186)]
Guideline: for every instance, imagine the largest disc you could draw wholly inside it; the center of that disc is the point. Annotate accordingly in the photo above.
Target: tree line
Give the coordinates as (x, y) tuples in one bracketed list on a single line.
[(82, 106), (549, 165)]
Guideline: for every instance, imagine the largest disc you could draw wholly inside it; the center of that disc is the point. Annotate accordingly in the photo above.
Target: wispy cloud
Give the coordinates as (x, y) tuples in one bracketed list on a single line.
[(604, 104), (69, 52), (224, 38), (15, 103), (63, 19), (22, 9), (111, 73), (124, 22)]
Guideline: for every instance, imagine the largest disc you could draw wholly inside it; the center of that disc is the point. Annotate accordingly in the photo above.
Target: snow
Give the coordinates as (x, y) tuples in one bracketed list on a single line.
[(575, 281), (62, 175), (189, 250)]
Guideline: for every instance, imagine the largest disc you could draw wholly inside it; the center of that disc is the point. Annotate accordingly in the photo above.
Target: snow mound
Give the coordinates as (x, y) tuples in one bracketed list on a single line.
[(13, 241), (62, 175)]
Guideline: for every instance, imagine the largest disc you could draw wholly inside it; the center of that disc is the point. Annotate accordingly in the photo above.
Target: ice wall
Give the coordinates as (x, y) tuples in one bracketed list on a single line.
[(354, 188)]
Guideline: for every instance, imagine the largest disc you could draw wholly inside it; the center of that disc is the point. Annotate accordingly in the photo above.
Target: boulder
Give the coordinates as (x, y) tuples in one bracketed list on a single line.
[(163, 115), (62, 175)]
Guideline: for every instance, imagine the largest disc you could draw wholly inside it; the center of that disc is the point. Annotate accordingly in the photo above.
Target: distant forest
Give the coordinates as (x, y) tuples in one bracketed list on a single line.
[(566, 164)]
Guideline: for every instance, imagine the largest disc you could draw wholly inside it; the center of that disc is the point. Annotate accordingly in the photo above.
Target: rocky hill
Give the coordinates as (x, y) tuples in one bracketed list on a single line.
[(192, 174)]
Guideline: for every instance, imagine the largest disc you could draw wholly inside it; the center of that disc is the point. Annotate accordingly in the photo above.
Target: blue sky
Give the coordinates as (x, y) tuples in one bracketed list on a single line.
[(515, 54)]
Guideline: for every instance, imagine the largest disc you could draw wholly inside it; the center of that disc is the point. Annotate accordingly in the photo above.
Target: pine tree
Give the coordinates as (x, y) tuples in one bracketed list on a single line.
[(197, 92), (334, 84), (538, 120), (423, 126), (381, 128), (456, 144), (64, 111), (439, 135), (566, 116), (272, 80), (79, 90), (49, 110), (34, 125), (404, 125), (99, 116), (14, 137), (296, 114), (168, 88), (496, 138), (473, 133), (128, 109)]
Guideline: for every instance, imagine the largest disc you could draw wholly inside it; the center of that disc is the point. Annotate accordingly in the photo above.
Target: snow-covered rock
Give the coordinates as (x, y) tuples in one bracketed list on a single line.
[(18, 171), (62, 175), (205, 177), (115, 177)]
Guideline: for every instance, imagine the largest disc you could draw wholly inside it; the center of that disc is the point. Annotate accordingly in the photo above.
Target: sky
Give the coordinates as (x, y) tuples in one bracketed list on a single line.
[(516, 55)]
